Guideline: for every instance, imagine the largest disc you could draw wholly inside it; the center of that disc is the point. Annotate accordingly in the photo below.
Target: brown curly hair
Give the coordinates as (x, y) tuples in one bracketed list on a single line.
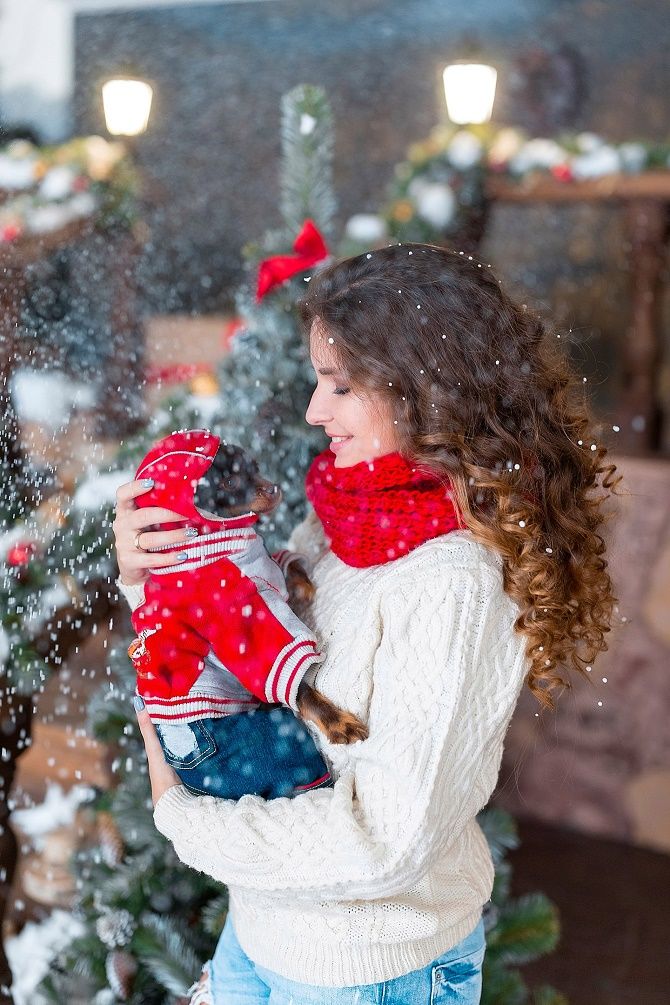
[(481, 396)]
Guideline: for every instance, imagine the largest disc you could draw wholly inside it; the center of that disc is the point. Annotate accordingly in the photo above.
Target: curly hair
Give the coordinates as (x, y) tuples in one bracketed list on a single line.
[(482, 397)]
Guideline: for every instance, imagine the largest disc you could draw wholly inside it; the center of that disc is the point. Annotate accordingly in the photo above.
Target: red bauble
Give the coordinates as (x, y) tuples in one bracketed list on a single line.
[(10, 232), (20, 554), (563, 172)]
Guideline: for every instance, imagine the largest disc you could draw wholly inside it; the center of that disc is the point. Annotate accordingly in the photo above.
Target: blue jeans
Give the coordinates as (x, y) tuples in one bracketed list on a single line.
[(454, 977), (266, 752)]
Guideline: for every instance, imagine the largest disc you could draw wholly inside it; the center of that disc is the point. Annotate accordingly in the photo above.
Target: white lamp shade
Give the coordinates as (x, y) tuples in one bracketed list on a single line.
[(469, 89), (127, 105)]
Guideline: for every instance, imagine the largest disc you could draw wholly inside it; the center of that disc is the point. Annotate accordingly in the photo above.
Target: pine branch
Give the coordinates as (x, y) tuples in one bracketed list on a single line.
[(526, 928), (214, 914), (307, 154), (166, 953)]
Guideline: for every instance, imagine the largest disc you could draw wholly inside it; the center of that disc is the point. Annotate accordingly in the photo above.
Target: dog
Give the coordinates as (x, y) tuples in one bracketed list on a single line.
[(233, 486)]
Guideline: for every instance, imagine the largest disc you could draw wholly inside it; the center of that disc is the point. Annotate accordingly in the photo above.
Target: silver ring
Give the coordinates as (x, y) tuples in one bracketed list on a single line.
[(137, 541)]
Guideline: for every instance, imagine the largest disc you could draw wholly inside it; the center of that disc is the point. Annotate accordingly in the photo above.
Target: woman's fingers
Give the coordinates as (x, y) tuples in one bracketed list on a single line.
[(140, 518), (129, 490), (162, 776), (151, 559), (156, 539)]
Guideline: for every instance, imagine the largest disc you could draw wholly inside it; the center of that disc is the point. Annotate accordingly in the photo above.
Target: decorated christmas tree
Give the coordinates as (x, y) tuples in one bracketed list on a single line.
[(149, 921)]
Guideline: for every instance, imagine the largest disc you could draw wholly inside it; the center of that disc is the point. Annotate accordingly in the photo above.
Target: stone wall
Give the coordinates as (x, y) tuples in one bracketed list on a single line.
[(606, 770)]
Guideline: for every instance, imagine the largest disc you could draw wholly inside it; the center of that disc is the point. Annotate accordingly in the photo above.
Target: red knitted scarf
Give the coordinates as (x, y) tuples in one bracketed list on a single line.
[(376, 511)]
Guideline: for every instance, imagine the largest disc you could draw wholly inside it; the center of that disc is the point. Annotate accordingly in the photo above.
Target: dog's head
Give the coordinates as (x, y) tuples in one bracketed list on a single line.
[(233, 485)]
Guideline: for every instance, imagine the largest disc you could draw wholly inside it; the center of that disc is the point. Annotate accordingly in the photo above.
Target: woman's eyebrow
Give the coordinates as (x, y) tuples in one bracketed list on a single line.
[(328, 371)]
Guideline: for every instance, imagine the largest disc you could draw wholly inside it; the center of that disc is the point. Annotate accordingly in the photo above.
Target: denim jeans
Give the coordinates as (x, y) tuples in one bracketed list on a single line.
[(453, 977), (266, 752)]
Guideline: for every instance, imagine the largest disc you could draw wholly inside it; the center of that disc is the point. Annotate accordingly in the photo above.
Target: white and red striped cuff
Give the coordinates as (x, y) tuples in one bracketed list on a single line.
[(284, 557), (289, 668), (191, 707)]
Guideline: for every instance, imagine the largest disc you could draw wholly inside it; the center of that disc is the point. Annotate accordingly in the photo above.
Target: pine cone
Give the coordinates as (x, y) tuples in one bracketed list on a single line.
[(121, 968), (115, 928), (111, 842)]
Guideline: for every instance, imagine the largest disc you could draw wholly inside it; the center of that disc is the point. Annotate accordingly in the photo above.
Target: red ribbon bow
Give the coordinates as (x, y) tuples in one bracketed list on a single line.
[(310, 248)]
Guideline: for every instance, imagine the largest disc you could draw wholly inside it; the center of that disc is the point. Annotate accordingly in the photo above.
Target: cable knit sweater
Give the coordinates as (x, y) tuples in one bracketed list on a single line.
[(377, 876)]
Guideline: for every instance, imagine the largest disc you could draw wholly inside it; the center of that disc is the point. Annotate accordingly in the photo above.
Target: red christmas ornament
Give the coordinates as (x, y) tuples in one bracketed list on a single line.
[(10, 232), (20, 554), (563, 172), (309, 247)]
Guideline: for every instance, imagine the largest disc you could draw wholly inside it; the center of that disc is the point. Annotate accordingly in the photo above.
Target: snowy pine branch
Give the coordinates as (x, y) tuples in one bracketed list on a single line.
[(307, 155)]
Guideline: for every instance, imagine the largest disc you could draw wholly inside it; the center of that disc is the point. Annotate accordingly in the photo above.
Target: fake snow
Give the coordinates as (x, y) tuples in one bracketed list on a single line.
[(30, 953), (49, 397)]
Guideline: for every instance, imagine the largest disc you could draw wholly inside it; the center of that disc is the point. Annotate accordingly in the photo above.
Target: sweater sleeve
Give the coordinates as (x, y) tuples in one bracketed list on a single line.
[(134, 595), (438, 714)]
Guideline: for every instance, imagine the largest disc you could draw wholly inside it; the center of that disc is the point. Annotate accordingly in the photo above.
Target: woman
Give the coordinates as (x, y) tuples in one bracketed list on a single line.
[(453, 538)]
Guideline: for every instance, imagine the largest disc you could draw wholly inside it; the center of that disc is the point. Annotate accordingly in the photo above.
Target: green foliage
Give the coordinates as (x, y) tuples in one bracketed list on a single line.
[(306, 183), (165, 952), (266, 376), (518, 930)]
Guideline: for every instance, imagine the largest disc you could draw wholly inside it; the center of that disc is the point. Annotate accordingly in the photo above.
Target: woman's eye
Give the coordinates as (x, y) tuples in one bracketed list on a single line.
[(341, 390)]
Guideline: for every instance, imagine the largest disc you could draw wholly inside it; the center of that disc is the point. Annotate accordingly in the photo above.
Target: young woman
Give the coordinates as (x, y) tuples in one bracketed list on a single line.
[(453, 538)]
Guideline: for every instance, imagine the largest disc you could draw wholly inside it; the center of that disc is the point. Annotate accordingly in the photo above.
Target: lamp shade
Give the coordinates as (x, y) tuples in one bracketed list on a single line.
[(127, 105), (469, 89)]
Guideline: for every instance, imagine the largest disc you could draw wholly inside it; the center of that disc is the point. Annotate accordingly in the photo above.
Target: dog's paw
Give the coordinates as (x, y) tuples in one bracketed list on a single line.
[(347, 729)]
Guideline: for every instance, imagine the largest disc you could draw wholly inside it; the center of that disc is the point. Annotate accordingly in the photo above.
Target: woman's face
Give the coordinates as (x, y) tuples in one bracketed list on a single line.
[(366, 422)]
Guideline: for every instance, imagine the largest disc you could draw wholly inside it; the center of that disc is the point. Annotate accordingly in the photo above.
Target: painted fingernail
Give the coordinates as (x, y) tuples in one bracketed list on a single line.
[(138, 703), (182, 556), (147, 482), (191, 532)]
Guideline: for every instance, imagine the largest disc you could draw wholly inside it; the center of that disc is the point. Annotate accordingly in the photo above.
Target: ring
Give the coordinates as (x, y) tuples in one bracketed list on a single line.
[(137, 541)]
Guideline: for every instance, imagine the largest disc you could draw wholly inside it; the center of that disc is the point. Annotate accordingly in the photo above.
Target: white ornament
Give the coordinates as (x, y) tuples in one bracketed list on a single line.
[(537, 153), (602, 161), (16, 174), (465, 150), (435, 202), (83, 204), (588, 142), (307, 123), (366, 228), (57, 183), (633, 157)]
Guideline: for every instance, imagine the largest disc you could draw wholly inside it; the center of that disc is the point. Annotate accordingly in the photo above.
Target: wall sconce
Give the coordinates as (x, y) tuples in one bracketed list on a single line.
[(469, 89), (127, 106)]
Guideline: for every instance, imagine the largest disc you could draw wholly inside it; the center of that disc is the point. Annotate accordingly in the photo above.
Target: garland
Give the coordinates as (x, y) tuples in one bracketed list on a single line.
[(441, 183), (45, 188)]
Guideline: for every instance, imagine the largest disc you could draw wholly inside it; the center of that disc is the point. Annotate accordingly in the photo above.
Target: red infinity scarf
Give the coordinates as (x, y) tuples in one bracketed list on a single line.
[(376, 511)]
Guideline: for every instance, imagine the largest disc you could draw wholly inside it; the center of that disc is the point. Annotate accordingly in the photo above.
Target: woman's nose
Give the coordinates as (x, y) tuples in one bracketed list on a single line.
[(316, 413)]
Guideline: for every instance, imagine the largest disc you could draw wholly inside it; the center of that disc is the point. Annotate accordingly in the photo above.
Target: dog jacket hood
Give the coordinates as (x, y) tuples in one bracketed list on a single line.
[(177, 463)]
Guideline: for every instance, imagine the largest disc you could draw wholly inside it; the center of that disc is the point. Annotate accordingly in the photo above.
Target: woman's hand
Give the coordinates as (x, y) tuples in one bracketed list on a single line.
[(161, 775), (130, 529)]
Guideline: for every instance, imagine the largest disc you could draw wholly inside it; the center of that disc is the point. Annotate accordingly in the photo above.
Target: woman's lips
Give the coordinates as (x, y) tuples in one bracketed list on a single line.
[(336, 444)]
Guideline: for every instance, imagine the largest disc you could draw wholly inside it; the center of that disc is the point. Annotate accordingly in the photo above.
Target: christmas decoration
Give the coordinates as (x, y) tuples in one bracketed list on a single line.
[(49, 187), (438, 193), (309, 247)]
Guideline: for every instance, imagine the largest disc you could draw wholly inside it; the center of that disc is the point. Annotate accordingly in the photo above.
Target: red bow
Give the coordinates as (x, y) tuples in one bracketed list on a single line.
[(310, 248)]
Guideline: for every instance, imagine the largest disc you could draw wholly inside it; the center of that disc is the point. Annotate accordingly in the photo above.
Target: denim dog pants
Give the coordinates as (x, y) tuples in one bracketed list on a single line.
[(453, 978), (266, 752)]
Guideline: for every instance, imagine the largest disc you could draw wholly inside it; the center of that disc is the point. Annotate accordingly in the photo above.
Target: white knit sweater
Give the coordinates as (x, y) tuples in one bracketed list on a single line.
[(377, 876)]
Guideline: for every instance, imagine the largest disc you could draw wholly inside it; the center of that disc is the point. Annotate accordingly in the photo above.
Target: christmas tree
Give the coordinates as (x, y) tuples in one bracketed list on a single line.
[(150, 921)]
